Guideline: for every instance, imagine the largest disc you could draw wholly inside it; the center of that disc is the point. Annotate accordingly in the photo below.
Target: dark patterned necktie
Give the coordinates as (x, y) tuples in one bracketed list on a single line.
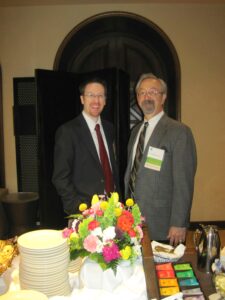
[(137, 159), (109, 186)]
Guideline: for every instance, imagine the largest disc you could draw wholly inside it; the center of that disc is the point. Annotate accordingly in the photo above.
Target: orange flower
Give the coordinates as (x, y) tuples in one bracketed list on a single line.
[(125, 221)]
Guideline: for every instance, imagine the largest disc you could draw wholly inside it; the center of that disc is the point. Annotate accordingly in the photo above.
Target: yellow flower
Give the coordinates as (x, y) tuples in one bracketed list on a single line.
[(118, 211), (129, 202), (126, 252), (104, 205), (95, 199), (73, 235), (82, 207), (115, 196)]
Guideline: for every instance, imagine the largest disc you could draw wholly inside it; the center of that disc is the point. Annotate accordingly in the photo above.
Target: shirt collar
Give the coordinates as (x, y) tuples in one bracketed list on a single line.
[(153, 121), (90, 122)]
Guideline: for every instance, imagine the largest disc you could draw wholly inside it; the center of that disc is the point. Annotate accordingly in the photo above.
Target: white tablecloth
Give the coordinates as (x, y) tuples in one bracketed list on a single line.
[(134, 288)]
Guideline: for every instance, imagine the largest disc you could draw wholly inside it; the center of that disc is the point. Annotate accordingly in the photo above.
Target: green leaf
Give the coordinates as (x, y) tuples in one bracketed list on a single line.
[(136, 214), (78, 253), (113, 265), (75, 216), (109, 218), (83, 228), (75, 244)]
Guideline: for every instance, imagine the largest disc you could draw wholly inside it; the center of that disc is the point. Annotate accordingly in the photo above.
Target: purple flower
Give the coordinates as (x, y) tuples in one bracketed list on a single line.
[(111, 252), (119, 233)]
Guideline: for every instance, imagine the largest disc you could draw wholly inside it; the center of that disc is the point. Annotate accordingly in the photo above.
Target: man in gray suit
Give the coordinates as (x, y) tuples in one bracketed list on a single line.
[(160, 173), (78, 166)]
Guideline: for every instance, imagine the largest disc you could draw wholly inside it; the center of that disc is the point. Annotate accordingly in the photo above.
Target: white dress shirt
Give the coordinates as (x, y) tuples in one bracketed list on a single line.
[(91, 125), (151, 125)]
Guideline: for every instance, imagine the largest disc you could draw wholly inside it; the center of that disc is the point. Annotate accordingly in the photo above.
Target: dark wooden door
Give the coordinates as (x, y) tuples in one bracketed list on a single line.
[(128, 42), (130, 55), (58, 101)]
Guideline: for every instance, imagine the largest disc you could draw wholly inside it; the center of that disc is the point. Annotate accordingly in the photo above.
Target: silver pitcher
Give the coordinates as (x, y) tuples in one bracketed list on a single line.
[(207, 245)]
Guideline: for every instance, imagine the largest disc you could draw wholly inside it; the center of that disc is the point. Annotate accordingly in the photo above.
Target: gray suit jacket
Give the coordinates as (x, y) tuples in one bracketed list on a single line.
[(165, 196), (78, 173)]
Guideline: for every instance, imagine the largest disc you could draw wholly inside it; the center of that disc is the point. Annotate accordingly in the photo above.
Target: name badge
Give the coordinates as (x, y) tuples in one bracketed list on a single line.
[(154, 158)]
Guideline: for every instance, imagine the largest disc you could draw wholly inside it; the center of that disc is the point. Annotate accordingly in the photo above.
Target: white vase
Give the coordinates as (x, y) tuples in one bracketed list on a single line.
[(93, 277)]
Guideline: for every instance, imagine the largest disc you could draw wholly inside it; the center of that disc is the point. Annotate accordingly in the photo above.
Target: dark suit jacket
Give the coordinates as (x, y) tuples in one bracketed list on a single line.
[(165, 196), (78, 173)]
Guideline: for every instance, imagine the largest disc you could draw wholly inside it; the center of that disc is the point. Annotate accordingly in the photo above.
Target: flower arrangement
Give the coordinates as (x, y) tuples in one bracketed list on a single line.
[(108, 232)]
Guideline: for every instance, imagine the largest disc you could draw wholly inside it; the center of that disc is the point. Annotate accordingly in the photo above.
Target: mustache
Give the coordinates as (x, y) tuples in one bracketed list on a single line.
[(148, 102), (148, 106)]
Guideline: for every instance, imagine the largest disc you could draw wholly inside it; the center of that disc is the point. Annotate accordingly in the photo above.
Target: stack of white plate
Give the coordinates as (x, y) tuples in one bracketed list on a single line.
[(44, 260), (75, 265)]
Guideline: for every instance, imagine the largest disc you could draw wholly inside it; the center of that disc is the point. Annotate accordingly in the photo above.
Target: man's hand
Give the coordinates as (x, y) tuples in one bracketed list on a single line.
[(177, 235)]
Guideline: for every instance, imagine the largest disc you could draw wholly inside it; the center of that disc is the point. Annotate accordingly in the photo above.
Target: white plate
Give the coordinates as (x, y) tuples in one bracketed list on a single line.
[(44, 251), (45, 263), (41, 239), (50, 290), (24, 295), (45, 267)]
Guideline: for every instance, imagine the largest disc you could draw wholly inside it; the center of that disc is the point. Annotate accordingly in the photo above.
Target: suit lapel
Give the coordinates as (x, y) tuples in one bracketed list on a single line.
[(86, 138), (156, 137), (133, 138)]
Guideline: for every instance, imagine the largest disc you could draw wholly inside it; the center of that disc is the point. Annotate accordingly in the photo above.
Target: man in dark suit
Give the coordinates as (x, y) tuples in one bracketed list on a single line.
[(161, 178), (78, 167)]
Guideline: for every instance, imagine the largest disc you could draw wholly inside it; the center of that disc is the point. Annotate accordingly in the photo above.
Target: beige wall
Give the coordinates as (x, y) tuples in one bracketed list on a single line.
[(30, 37)]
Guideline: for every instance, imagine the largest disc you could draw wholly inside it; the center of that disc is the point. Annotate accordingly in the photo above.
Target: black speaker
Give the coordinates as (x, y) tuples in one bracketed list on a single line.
[(26, 133)]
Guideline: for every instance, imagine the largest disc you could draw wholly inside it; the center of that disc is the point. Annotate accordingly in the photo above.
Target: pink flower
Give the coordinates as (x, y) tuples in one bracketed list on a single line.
[(142, 219), (91, 243), (99, 213), (92, 211), (111, 252), (139, 231), (67, 232), (88, 212), (95, 207)]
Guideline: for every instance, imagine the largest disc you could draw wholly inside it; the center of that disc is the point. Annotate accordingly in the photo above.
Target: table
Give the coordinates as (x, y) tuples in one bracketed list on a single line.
[(129, 285), (150, 275), (21, 209), (189, 256)]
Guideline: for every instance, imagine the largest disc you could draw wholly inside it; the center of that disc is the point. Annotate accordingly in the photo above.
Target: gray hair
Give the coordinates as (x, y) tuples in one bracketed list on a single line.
[(151, 76)]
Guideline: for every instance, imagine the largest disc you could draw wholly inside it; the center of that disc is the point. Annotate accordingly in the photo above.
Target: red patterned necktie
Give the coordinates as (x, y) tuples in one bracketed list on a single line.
[(109, 186)]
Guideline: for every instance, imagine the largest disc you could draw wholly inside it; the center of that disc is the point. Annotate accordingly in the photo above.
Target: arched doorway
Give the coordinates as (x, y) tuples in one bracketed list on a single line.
[(118, 46), (125, 41)]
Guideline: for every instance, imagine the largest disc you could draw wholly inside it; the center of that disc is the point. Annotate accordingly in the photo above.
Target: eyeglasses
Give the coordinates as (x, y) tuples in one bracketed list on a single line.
[(152, 92), (93, 96)]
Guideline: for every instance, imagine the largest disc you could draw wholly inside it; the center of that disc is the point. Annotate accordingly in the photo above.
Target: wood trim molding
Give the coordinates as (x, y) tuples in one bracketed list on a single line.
[(2, 160), (195, 225)]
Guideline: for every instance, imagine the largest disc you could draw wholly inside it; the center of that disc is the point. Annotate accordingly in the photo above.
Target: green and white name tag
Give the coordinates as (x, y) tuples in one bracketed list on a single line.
[(154, 158)]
